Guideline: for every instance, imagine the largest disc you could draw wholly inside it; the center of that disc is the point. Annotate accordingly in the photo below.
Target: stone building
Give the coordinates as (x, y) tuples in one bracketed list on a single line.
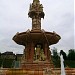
[(7, 55)]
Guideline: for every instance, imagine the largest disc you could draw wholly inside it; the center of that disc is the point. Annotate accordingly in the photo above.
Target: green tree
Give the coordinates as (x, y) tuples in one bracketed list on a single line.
[(64, 54), (55, 57), (0, 60), (7, 63), (55, 54), (71, 54)]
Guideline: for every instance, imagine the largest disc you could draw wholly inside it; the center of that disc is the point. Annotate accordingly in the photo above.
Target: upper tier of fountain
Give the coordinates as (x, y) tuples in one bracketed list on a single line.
[(36, 35)]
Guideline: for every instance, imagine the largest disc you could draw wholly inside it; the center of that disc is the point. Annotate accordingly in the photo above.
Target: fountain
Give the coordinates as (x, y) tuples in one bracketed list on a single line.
[(36, 59), (37, 55), (36, 41)]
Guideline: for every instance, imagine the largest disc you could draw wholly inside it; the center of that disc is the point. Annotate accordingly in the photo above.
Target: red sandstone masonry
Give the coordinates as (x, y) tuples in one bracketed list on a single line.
[(69, 71)]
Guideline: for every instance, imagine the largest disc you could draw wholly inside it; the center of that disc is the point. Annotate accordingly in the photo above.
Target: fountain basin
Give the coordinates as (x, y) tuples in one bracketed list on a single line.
[(39, 36)]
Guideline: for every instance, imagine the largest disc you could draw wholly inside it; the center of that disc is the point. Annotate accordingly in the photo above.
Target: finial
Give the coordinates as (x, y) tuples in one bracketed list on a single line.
[(35, 0), (36, 13)]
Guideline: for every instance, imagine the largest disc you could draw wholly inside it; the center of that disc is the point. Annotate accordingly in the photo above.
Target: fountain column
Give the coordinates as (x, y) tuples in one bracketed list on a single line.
[(46, 50), (32, 52)]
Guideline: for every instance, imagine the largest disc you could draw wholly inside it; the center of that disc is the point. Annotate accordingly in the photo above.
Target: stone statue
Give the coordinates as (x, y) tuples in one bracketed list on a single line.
[(39, 54), (42, 55)]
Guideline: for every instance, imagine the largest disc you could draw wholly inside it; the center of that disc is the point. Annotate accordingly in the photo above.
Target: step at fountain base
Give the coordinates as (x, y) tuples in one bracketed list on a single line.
[(52, 71), (36, 66)]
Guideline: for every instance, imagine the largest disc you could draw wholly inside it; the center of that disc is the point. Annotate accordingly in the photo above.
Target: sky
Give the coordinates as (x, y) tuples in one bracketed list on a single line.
[(59, 17)]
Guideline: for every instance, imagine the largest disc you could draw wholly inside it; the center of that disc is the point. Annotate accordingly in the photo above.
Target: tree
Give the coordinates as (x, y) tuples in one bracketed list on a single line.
[(64, 54), (55, 54), (71, 55), (55, 57), (0, 60)]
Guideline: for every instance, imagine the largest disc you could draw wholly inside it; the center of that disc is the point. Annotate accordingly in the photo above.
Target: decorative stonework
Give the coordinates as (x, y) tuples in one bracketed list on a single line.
[(36, 13), (37, 54), (45, 71)]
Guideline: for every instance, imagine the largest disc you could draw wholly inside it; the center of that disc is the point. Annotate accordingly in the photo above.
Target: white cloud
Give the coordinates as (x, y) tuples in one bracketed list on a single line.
[(59, 17)]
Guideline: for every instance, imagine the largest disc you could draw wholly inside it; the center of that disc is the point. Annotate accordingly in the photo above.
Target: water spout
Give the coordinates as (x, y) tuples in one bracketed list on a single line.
[(62, 65)]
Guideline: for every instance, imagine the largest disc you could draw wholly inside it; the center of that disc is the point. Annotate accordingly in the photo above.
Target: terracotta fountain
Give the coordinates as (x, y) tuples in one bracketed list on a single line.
[(37, 54)]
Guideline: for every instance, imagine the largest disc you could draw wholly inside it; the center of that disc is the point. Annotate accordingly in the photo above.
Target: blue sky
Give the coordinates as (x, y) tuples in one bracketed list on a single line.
[(59, 17)]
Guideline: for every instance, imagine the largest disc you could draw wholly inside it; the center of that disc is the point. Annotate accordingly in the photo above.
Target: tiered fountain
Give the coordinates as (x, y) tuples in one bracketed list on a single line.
[(36, 41), (37, 55)]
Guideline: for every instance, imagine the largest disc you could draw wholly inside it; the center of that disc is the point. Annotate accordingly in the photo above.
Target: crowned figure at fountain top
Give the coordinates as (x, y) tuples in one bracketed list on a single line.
[(36, 13)]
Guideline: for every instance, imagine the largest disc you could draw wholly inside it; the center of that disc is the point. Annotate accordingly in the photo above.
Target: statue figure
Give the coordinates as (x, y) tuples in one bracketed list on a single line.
[(42, 55), (38, 51), (39, 54)]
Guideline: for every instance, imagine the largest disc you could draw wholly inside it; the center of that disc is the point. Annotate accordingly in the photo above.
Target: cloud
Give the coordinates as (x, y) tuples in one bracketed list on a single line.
[(59, 17)]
